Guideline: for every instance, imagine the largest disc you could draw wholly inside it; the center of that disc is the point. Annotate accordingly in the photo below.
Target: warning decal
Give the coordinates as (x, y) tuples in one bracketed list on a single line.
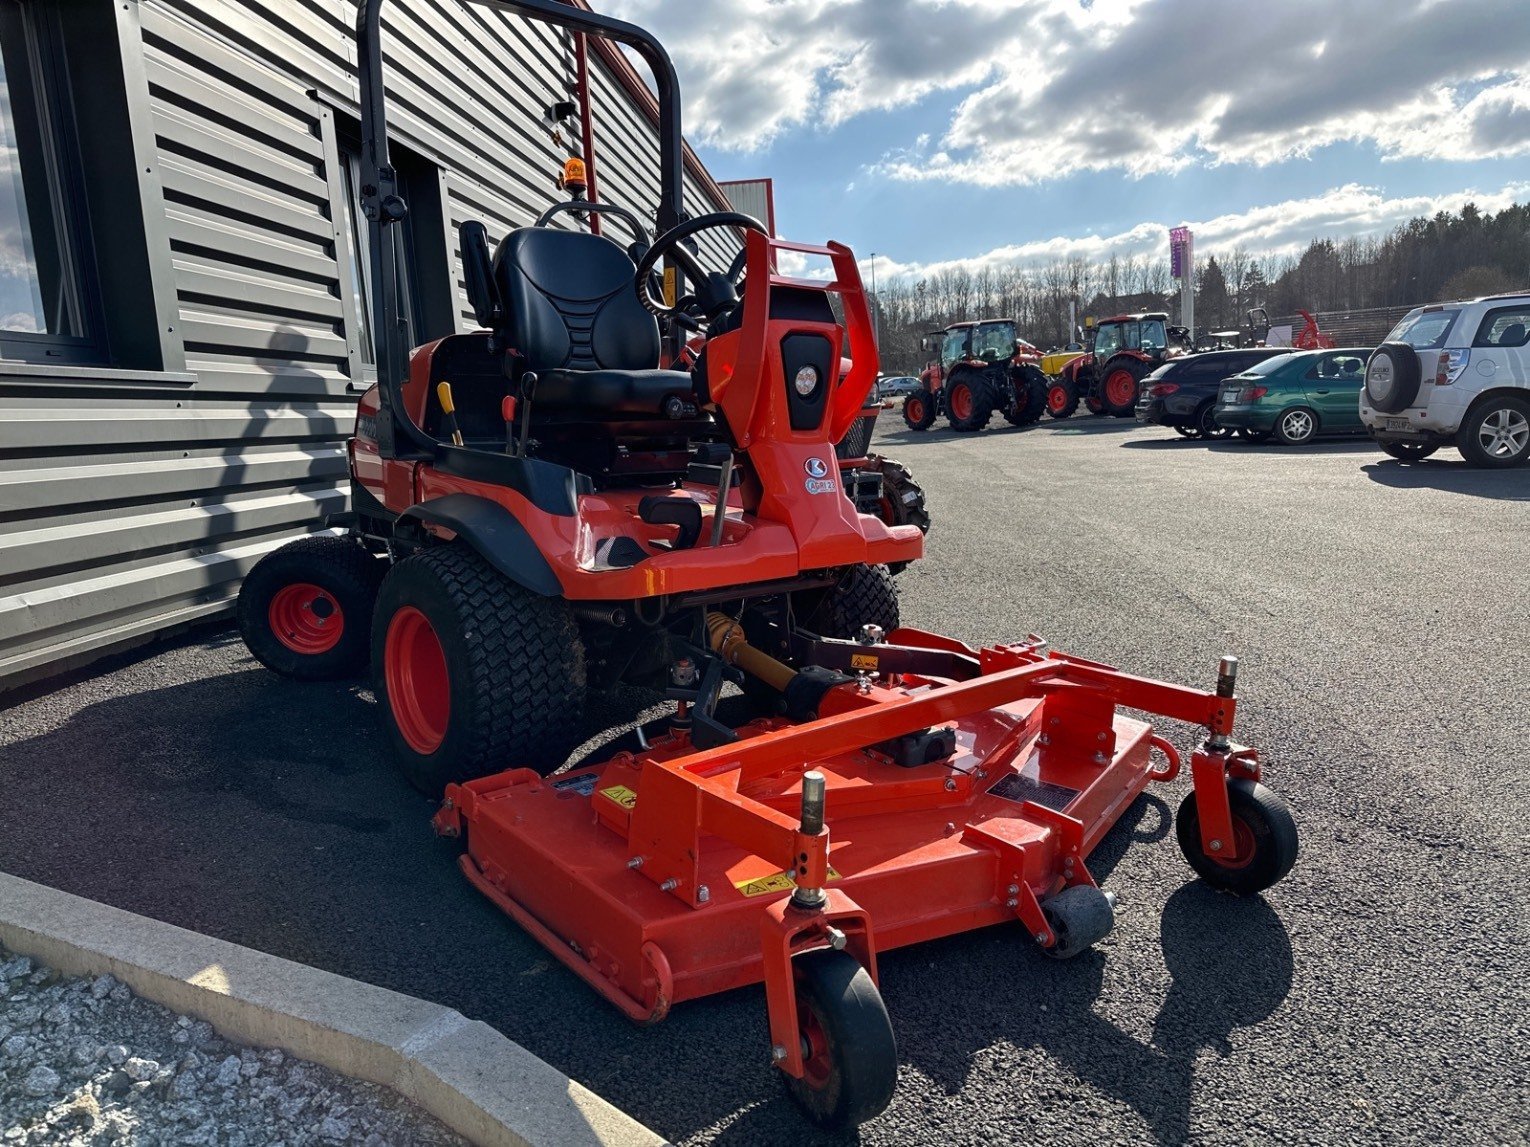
[(621, 795), (864, 661), (775, 882)]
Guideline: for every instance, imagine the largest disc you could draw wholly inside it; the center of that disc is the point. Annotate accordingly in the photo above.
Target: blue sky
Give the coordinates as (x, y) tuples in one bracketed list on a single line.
[(936, 131)]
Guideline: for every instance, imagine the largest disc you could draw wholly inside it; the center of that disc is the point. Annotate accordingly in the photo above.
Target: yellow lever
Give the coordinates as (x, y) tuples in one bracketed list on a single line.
[(449, 408)]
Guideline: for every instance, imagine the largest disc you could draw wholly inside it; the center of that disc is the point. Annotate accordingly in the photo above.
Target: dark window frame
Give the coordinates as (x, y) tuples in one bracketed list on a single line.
[(63, 174), (1479, 341)]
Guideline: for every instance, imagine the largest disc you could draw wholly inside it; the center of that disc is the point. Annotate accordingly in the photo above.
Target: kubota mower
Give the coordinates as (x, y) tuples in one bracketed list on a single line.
[(540, 510)]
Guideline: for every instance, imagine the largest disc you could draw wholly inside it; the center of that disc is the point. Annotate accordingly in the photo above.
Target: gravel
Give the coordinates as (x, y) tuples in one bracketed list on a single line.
[(87, 1062)]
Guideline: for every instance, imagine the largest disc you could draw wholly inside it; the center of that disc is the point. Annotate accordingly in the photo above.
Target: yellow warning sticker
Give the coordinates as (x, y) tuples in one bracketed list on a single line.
[(775, 882), (670, 294), (864, 661), (621, 795)]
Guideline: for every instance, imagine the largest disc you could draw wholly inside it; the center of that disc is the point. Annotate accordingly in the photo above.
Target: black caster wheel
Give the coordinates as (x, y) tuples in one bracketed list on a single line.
[(1080, 917), (1263, 832), (850, 1057)]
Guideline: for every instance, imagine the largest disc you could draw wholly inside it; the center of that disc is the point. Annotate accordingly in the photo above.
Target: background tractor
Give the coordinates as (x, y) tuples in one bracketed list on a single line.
[(1125, 349), (979, 368)]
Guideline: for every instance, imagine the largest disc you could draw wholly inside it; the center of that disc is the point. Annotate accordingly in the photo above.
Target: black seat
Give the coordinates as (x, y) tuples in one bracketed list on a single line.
[(572, 316)]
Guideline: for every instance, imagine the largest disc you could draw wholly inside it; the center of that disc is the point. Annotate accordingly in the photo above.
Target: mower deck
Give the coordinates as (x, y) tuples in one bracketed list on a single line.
[(924, 852)]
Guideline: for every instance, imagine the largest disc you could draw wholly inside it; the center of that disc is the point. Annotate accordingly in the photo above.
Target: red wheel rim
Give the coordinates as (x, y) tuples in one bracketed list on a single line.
[(817, 1063), (1243, 846), (961, 401), (414, 669), (916, 410), (306, 618), (1057, 398), (1121, 388)]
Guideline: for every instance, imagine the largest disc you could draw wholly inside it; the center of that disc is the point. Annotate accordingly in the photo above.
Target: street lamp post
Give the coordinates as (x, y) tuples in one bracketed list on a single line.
[(876, 304)]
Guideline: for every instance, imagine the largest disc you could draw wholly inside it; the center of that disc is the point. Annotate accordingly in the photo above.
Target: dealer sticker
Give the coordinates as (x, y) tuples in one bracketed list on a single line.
[(821, 485)]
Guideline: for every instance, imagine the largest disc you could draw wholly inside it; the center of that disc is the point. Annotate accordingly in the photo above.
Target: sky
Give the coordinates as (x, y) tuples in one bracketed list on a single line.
[(935, 132)]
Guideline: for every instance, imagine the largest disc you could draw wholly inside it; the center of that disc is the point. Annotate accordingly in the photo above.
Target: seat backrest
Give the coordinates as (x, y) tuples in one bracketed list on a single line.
[(569, 302), (1513, 335)]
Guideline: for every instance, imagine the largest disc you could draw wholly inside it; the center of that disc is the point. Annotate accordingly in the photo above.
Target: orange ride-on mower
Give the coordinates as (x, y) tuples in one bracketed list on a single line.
[(541, 510)]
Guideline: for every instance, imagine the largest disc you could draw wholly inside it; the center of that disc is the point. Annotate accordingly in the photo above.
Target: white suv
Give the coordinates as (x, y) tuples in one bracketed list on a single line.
[(1454, 373)]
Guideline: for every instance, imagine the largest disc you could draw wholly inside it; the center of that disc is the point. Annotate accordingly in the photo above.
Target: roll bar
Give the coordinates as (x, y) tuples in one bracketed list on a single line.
[(383, 206)]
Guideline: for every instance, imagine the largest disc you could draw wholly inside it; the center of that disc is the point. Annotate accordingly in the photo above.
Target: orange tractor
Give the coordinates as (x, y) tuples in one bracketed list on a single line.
[(1125, 350), (540, 509), (980, 368)]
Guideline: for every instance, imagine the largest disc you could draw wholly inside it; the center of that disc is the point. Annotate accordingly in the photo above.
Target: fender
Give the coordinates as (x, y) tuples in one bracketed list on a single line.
[(495, 533)]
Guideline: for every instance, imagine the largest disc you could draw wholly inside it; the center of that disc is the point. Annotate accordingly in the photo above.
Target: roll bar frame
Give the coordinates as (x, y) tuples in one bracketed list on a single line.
[(384, 206)]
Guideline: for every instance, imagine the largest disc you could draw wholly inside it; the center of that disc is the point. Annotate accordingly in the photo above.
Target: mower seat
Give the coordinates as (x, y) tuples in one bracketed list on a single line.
[(573, 317)]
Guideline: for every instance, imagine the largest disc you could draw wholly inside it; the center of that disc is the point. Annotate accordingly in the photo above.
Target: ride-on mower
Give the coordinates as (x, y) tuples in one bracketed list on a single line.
[(539, 509)]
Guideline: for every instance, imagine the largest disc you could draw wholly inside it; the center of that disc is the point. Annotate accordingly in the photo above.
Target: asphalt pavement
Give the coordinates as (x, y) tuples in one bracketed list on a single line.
[(1379, 994)]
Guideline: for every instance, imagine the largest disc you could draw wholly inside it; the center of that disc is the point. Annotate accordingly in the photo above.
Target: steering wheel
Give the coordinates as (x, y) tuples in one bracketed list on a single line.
[(714, 293)]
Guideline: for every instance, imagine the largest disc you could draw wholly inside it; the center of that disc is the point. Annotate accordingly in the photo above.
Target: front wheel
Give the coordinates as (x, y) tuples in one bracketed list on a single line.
[(1496, 435), (849, 1053), (1187, 432), (1030, 397), (1296, 427), (1062, 398), (305, 610), (919, 410), (1408, 451), (473, 672), (1264, 839)]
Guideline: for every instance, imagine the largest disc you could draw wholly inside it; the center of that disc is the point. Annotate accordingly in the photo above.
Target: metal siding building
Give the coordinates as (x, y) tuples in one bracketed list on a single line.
[(205, 424)]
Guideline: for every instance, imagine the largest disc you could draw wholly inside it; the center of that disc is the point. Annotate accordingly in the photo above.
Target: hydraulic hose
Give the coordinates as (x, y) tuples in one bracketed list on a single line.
[(727, 639)]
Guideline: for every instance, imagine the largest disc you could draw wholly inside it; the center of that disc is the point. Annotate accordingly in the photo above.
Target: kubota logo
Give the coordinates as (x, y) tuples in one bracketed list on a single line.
[(815, 467)]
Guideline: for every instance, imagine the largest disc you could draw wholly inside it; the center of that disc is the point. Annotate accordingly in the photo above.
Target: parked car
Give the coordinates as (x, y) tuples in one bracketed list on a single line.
[(1297, 396), (1182, 392), (897, 386), (1454, 374)]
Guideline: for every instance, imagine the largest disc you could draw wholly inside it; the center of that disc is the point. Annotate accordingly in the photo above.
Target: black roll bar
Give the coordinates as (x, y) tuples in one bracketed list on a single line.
[(383, 206)]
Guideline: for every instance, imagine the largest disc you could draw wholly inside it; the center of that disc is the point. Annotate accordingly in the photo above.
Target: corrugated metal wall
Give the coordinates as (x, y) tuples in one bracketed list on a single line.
[(130, 502)]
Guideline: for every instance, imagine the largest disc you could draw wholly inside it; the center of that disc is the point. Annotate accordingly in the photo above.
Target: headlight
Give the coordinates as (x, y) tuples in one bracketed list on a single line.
[(806, 381)]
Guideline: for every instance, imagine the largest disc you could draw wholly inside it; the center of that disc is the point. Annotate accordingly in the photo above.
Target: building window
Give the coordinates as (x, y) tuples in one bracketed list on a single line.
[(46, 291), (359, 280)]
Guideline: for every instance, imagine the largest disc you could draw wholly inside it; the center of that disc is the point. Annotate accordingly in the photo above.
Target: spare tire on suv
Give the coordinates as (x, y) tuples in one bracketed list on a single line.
[(1392, 377)]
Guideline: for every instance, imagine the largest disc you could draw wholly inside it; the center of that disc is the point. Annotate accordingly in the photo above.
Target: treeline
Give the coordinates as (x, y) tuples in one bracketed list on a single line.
[(1449, 256)]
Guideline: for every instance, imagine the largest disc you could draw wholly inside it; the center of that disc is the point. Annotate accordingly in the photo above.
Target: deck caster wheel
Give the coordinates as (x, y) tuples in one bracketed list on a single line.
[(849, 1055), (1264, 834), (1080, 917)]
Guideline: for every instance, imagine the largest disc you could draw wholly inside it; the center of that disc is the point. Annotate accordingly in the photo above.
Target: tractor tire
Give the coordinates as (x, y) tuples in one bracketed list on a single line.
[(969, 402), (1062, 398), (902, 501), (473, 672), (305, 610), (919, 410), (865, 595), (1030, 397), (1118, 387)]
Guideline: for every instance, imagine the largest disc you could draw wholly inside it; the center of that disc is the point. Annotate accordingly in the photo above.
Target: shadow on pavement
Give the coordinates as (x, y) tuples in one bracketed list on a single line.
[(1334, 445), (1452, 478)]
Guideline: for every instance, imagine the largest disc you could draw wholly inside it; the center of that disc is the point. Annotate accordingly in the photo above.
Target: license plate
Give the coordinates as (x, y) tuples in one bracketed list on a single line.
[(1399, 424)]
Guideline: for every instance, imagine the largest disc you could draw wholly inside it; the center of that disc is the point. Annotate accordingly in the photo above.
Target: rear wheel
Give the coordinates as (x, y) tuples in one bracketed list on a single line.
[(473, 673), (969, 404), (1296, 427), (1118, 393), (1255, 435), (1408, 451), (305, 610), (1206, 422), (1062, 398), (850, 1056), (1264, 836), (1496, 435), (919, 410), (1030, 397)]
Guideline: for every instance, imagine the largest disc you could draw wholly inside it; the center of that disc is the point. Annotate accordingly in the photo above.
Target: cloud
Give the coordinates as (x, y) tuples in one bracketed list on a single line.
[(1274, 229), (1044, 88)]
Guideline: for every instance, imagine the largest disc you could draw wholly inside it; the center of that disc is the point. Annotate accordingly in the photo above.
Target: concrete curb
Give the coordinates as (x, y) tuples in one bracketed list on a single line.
[(462, 1071)]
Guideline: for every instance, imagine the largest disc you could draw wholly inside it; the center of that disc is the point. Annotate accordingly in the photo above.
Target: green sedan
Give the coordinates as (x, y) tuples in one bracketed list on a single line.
[(1296, 396)]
